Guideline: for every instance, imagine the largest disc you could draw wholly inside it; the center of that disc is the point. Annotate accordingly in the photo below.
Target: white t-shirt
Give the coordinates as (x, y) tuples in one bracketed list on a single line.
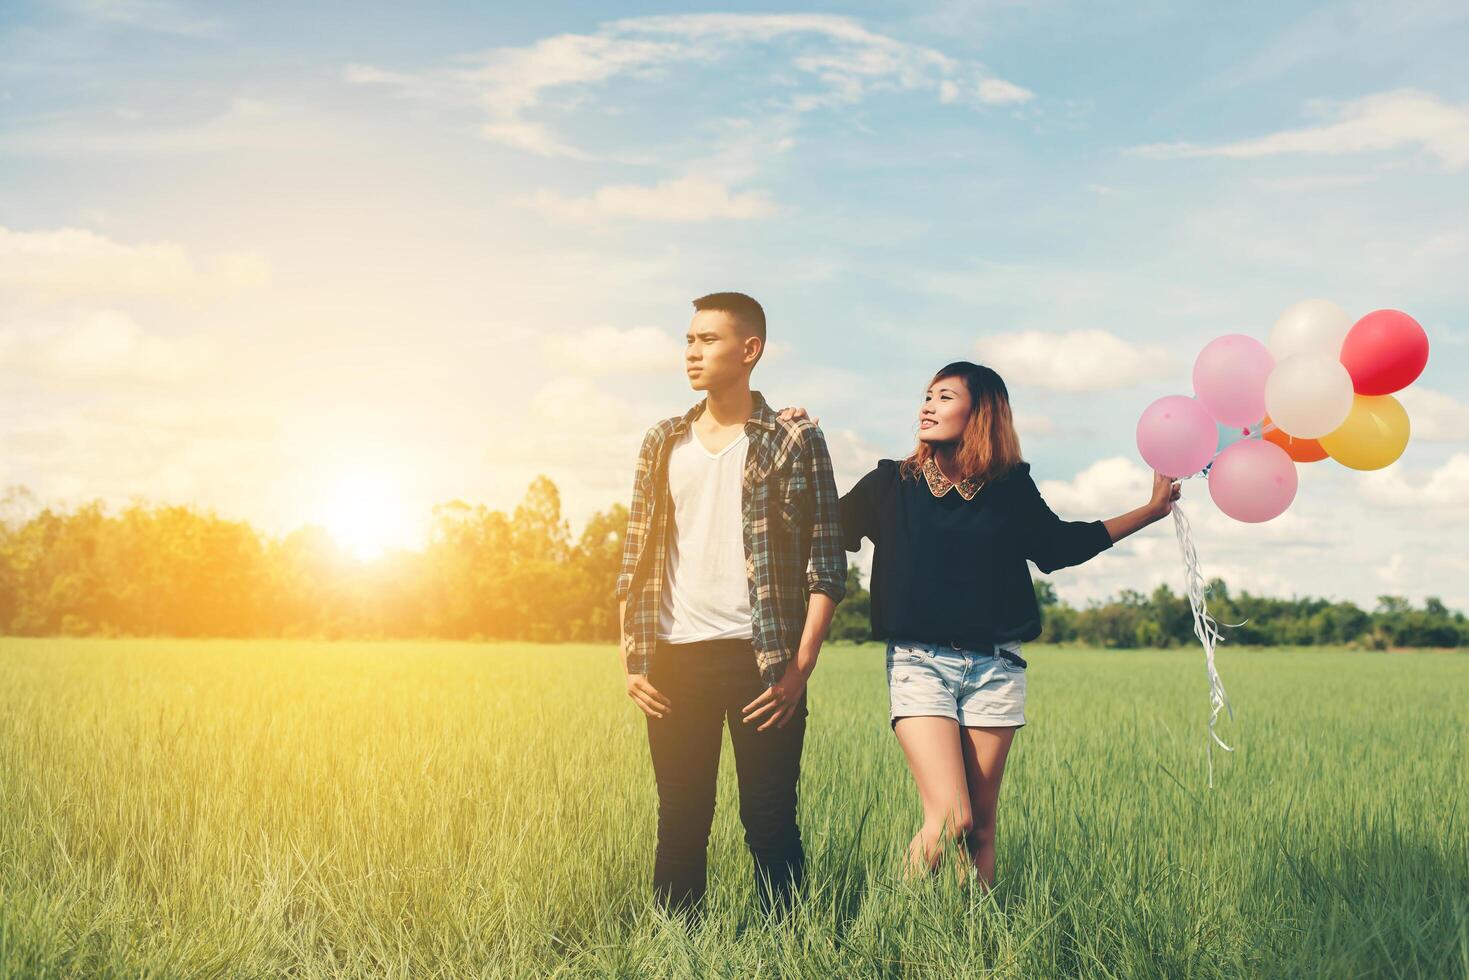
[(706, 595)]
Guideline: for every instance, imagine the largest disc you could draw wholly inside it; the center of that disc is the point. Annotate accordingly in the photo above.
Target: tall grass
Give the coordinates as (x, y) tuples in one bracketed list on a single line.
[(180, 809)]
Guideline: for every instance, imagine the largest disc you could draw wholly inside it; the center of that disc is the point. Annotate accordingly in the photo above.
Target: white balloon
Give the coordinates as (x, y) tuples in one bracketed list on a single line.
[(1309, 395), (1312, 326)]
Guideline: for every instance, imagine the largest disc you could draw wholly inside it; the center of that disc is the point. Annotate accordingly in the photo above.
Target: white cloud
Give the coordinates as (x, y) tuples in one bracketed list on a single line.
[(585, 439), (508, 82), (1444, 493), (1319, 547), (243, 124), (70, 262), (1401, 119), (1434, 415), (176, 451), (91, 346), (150, 15), (590, 411), (606, 349), (997, 91), (1118, 484), (530, 137), (1106, 487), (1308, 183), (847, 62), (1075, 360), (851, 456), (691, 198)]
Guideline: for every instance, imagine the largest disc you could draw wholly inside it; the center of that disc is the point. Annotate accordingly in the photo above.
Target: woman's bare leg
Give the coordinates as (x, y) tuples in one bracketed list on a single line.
[(985, 750), (936, 759)]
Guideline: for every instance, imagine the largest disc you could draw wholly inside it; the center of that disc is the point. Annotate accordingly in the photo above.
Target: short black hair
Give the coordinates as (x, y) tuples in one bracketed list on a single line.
[(741, 307)]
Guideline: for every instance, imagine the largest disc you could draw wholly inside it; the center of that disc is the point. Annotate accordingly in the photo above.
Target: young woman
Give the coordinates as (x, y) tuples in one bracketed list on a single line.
[(953, 526)]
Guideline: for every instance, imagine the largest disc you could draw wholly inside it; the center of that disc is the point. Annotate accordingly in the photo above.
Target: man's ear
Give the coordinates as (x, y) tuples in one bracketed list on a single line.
[(754, 349)]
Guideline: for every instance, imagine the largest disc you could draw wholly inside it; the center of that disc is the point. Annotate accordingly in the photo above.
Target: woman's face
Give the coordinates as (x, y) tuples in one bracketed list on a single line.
[(945, 411)]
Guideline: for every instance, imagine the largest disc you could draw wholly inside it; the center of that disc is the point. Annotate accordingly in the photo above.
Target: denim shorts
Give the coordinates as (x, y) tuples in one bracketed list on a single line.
[(976, 688)]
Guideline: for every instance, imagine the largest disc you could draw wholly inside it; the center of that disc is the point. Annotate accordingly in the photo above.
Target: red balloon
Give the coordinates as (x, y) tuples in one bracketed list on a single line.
[(1384, 352)]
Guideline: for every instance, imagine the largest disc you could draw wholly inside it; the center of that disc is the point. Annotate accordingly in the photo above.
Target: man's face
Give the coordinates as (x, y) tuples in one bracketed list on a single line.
[(716, 352)]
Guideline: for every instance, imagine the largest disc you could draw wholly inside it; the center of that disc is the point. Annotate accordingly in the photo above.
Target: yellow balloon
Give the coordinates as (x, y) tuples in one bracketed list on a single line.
[(1374, 434)]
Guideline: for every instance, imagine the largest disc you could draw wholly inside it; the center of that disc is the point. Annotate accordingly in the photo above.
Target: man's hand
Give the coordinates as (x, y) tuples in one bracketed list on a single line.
[(788, 413), (779, 701), (646, 696)]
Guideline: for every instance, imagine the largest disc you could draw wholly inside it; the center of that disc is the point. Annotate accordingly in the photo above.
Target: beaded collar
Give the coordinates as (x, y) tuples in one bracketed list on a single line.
[(938, 484)]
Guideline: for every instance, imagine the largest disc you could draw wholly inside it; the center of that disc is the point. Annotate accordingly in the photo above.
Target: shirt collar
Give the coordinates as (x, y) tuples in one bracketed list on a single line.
[(938, 484), (761, 414)]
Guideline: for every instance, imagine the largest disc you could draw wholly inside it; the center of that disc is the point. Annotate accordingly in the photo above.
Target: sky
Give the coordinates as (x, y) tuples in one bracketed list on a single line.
[(309, 264)]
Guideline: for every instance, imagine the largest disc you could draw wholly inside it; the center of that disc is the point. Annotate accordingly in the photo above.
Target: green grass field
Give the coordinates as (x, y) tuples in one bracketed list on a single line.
[(178, 809)]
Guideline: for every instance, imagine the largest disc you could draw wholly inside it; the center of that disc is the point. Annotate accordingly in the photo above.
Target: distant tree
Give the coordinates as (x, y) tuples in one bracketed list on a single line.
[(595, 563), (852, 620), (151, 570)]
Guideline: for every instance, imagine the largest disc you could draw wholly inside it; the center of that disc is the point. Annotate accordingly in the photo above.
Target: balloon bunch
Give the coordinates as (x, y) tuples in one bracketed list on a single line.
[(1322, 387)]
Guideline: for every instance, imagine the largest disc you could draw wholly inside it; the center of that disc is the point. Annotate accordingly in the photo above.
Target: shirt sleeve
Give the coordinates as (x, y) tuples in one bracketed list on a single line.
[(637, 517), (859, 510), (1051, 542), (827, 570)]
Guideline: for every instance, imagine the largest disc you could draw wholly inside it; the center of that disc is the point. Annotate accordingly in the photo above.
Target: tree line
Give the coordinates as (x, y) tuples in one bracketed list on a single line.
[(164, 570)]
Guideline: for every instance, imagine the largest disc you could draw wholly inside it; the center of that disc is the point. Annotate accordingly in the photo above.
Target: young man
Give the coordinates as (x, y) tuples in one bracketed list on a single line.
[(731, 569)]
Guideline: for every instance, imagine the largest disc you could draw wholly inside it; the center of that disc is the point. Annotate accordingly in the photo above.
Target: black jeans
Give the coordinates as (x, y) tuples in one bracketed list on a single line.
[(706, 683)]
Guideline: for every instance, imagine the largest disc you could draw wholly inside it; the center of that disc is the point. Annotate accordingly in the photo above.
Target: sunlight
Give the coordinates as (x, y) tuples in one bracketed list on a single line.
[(364, 512)]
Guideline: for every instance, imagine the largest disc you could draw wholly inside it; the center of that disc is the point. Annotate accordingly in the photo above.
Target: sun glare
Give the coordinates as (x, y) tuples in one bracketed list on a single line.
[(364, 512)]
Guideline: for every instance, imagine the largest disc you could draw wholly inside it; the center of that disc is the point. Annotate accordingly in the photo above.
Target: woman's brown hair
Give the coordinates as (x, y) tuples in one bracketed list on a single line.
[(989, 448)]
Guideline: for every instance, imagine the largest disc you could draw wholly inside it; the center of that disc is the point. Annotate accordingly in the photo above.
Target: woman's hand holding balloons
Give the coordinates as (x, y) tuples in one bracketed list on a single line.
[(1165, 491)]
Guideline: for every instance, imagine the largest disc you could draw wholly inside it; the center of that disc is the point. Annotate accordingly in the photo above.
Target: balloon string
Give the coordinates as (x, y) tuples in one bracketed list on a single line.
[(1206, 629)]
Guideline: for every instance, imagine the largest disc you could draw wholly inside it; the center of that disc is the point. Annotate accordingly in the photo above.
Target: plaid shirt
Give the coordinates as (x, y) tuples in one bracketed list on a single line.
[(792, 531)]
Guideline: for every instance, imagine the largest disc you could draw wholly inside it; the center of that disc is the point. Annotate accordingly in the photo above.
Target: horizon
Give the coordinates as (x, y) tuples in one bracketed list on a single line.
[(367, 552)]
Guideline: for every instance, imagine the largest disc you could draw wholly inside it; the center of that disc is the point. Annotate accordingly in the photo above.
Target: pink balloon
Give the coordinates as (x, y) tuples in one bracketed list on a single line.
[(1229, 379), (1176, 436), (1253, 481)]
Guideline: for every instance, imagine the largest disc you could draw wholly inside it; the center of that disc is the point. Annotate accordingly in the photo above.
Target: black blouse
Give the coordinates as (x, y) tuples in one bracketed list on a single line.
[(950, 570)]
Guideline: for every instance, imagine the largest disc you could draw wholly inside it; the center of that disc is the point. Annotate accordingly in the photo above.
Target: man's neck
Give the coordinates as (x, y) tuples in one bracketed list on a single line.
[(732, 405)]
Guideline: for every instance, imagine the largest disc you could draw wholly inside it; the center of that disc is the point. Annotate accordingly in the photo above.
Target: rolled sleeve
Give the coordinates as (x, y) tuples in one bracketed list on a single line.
[(827, 570), (637, 518)]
